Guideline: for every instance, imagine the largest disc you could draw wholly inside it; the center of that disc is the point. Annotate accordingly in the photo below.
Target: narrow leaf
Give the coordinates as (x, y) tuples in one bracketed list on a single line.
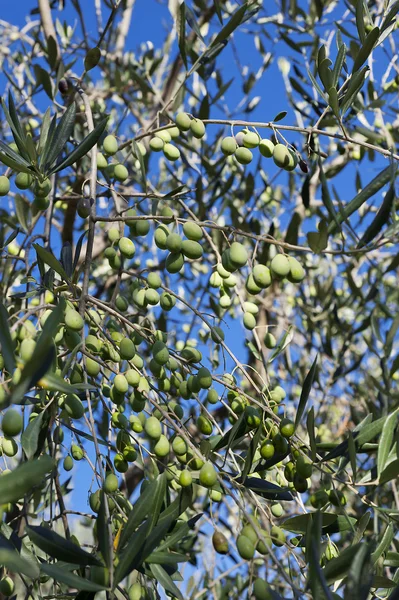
[(24, 478), (50, 260), (83, 148), (30, 437), (6, 342), (70, 579), (366, 48), (61, 135), (181, 31), (58, 547), (234, 22), (166, 581), (367, 192), (307, 386), (386, 441), (360, 21), (355, 84), (380, 219)]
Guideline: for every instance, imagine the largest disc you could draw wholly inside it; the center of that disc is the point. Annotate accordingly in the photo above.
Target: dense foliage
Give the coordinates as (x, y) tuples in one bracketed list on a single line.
[(199, 301)]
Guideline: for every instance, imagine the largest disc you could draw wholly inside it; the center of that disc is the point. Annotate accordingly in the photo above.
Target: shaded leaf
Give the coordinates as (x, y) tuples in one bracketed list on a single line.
[(92, 58), (6, 342), (30, 436), (12, 560), (266, 489), (307, 386), (83, 148), (386, 441), (58, 547), (165, 580), (367, 192), (24, 478), (366, 48), (70, 579), (50, 260), (380, 219), (231, 26)]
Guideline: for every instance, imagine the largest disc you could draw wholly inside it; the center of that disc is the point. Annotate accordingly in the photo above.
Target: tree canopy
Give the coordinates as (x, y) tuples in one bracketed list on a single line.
[(199, 300)]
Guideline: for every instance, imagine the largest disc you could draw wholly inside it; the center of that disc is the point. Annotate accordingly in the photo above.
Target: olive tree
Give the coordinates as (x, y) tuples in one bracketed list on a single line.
[(199, 306)]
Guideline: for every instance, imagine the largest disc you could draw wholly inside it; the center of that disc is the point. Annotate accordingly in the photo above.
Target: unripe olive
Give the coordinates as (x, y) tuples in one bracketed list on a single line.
[(261, 590), (319, 499), (250, 533), (251, 286), (101, 161), (127, 247), (192, 249), (141, 227), (280, 266), (23, 181), (249, 321), (120, 383), (243, 155), (167, 301), (278, 536), (120, 464), (77, 452), (204, 378), (12, 423), (300, 483), (185, 478), (277, 510), (160, 236), (132, 377), (207, 475), (83, 207), (26, 349), (152, 428), (4, 185), (120, 172), (174, 132), (287, 428), (217, 334), (74, 407), (220, 543), (197, 128), (183, 121), (110, 483), (73, 320), (7, 586), (204, 425), (164, 135), (174, 242), (267, 449), (229, 146), (280, 444), (162, 447), (266, 148), (42, 188), (40, 203), (110, 145), (68, 463), (281, 156), (262, 276), (245, 547), (251, 139), (8, 446), (171, 152), (304, 466), (160, 353), (238, 254), (156, 144), (337, 498), (270, 341), (212, 396), (127, 349), (297, 272), (174, 262)]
